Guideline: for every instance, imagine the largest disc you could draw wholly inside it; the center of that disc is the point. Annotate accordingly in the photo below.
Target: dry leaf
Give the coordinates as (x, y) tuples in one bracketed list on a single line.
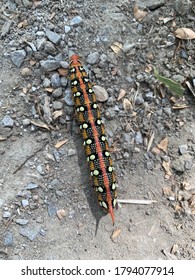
[(47, 111), (163, 144), (127, 105), (139, 14), (61, 214), (148, 69), (166, 19), (116, 47), (57, 114), (122, 93), (185, 33), (114, 71), (168, 192), (40, 124), (180, 107), (150, 141), (116, 232), (166, 166), (2, 138), (63, 72), (60, 143)]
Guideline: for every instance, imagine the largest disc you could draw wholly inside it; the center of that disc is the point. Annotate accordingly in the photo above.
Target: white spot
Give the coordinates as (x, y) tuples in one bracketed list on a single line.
[(99, 122), (113, 186), (77, 93), (103, 138), (87, 158), (74, 83), (92, 157), (110, 168), (81, 109), (72, 70), (100, 189), (104, 205), (100, 203), (89, 141), (95, 172), (86, 80), (107, 154), (84, 143), (81, 126), (85, 125), (95, 105), (78, 109), (90, 90), (114, 202)]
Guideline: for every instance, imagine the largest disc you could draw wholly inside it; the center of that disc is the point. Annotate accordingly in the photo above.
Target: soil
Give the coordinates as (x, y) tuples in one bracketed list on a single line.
[(47, 208)]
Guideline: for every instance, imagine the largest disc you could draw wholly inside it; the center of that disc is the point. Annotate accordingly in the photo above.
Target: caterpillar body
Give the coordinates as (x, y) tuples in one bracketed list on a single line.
[(94, 138)]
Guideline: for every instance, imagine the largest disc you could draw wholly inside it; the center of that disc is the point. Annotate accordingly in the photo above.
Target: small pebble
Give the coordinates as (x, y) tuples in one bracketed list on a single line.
[(183, 149), (101, 93), (55, 80), (21, 222), (51, 209), (71, 152), (46, 82), (49, 47), (17, 57), (30, 233), (26, 122), (49, 65), (57, 105), (24, 202), (76, 21), (67, 28), (8, 239), (92, 58), (57, 92), (53, 36), (7, 121), (138, 138), (40, 169), (68, 97), (31, 186), (6, 214)]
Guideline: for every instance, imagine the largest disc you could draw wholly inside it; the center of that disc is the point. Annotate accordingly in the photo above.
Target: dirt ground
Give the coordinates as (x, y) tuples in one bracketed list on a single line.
[(47, 208)]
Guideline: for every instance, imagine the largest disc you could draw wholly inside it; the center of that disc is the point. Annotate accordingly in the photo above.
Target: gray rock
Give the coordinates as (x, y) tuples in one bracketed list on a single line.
[(46, 82), (188, 164), (64, 81), (2, 201), (178, 164), (49, 65), (17, 57), (64, 64), (40, 169), (68, 97), (26, 122), (56, 155), (6, 214), (167, 111), (67, 28), (76, 21), (139, 100), (31, 186), (7, 121), (140, 78), (57, 105), (8, 239), (182, 6), (57, 92), (30, 233), (128, 46), (71, 152), (53, 36), (149, 96), (49, 47), (6, 27), (138, 138), (40, 43), (55, 80), (92, 58), (24, 202), (52, 209), (183, 149), (21, 222)]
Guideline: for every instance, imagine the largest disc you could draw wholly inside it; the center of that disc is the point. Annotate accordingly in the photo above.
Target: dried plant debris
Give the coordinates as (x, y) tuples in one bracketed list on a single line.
[(185, 34), (139, 14)]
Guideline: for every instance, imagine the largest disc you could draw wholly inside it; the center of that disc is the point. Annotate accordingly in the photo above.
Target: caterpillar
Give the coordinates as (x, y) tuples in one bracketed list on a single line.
[(94, 138)]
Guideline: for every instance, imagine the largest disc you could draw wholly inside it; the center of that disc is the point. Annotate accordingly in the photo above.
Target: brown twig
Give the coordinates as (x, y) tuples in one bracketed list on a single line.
[(21, 165)]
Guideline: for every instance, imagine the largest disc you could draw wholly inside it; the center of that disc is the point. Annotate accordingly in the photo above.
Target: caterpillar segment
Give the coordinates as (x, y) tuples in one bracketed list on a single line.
[(94, 138)]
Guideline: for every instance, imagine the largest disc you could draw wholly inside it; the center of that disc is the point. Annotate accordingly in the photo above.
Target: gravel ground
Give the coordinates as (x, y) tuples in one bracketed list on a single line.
[(47, 208)]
